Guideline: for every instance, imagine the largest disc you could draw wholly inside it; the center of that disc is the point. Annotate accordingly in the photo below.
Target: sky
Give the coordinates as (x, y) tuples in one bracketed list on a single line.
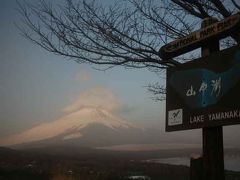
[(37, 86)]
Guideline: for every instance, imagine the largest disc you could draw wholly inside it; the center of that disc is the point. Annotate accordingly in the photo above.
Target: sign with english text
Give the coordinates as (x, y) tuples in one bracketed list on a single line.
[(216, 31), (204, 92)]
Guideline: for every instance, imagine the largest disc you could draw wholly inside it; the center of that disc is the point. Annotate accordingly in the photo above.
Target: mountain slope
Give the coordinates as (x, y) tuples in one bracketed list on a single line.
[(77, 125)]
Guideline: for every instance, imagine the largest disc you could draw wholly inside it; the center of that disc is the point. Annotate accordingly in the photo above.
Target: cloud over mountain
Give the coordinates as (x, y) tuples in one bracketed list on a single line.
[(98, 97), (88, 117), (83, 76)]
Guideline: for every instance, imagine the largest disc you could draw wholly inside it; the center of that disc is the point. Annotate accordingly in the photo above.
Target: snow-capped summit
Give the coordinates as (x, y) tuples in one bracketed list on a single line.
[(72, 126)]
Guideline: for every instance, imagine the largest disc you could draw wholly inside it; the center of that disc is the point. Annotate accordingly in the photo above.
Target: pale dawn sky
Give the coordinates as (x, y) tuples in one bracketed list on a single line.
[(37, 86)]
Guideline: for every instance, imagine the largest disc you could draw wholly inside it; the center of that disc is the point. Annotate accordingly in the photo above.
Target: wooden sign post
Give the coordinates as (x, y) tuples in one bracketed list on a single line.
[(203, 93), (214, 31), (213, 158)]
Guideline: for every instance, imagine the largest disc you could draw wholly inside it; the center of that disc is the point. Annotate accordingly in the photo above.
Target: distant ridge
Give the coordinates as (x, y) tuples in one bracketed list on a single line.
[(89, 125)]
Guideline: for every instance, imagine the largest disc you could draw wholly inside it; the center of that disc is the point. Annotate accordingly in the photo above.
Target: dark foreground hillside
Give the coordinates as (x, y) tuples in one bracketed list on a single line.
[(87, 165)]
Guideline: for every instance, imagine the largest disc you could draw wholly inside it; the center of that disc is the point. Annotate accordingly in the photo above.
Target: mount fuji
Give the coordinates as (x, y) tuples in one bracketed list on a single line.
[(88, 126)]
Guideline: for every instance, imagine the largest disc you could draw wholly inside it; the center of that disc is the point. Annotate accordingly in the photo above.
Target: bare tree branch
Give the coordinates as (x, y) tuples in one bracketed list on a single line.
[(128, 33), (235, 4), (219, 5), (189, 7), (158, 91)]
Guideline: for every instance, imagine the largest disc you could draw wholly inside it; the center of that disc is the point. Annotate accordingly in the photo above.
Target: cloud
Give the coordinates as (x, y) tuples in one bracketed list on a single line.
[(96, 98), (83, 76)]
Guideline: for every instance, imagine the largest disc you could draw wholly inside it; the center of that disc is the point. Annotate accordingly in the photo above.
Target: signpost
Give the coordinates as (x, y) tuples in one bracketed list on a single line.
[(204, 93), (198, 38)]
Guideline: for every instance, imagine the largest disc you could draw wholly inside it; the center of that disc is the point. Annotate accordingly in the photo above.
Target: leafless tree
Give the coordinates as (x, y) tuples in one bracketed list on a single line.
[(127, 33)]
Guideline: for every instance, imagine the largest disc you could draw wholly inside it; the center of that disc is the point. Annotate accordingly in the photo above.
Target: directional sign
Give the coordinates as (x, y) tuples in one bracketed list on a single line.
[(196, 39), (204, 92)]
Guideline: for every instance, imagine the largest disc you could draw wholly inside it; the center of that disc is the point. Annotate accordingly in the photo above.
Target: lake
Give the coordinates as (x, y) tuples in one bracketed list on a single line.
[(231, 162)]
